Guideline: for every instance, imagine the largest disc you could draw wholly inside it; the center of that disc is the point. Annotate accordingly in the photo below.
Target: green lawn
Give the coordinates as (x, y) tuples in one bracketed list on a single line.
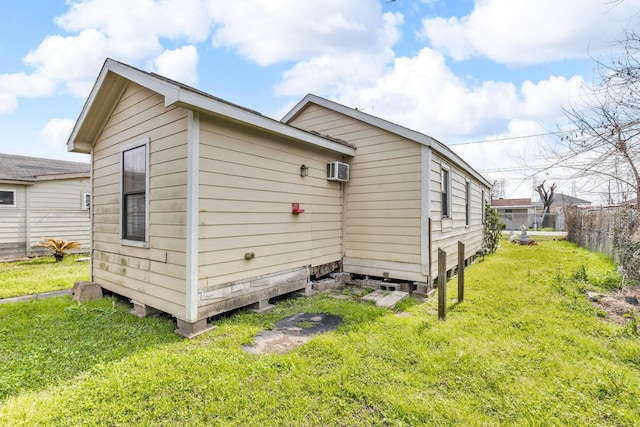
[(525, 348), (39, 275)]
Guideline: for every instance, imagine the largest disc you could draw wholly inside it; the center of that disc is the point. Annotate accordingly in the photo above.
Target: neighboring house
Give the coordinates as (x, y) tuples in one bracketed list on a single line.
[(201, 206), (560, 203), (514, 213), (42, 198)]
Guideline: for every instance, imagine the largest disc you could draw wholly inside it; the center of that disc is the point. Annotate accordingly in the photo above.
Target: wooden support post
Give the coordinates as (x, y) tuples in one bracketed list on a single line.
[(429, 273), (442, 284), (460, 271)]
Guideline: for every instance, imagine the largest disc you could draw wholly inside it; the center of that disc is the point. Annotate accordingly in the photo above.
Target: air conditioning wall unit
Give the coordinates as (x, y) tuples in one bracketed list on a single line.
[(337, 171)]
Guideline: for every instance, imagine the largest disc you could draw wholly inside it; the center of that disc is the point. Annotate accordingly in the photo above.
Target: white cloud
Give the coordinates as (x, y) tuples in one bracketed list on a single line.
[(284, 30), (178, 64), (527, 32), (134, 28), (56, 132), (8, 102), (546, 98), (71, 61), (422, 93), (121, 29), (332, 74)]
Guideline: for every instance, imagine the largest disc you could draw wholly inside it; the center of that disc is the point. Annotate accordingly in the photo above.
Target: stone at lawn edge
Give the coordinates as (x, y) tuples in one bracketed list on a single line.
[(86, 291)]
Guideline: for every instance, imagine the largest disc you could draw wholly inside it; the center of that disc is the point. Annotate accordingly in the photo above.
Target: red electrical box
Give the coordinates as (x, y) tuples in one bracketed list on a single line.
[(295, 208)]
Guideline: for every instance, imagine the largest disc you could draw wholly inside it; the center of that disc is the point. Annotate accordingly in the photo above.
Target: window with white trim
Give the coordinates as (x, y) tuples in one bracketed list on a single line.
[(8, 198), (135, 191), (446, 192), (86, 201), (467, 202)]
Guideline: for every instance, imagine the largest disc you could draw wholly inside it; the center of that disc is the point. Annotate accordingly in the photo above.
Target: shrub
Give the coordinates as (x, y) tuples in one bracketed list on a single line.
[(59, 247), (492, 228)]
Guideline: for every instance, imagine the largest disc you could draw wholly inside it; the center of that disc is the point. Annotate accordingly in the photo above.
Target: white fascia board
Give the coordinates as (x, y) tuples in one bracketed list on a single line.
[(168, 90), (195, 100), (86, 146), (418, 137), (177, 95)]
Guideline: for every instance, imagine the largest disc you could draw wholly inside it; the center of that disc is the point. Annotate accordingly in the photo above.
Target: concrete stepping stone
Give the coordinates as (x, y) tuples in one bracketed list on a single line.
[(392, 299), (375, 296)]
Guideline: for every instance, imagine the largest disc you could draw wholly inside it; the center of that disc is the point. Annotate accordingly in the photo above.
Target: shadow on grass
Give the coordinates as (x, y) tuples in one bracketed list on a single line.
[(43, 342)]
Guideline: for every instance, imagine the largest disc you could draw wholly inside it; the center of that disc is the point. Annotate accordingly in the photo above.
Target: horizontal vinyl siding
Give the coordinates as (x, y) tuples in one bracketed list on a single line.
[(13, 225), (384, 190), (248, 182), (55, 210), (156, 275), (446, 232)]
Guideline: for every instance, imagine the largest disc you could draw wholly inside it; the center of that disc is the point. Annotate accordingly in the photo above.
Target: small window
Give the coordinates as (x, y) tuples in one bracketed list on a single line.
[(8, 198), (446, 192), (134, 193), (467, 202), (86, 201)]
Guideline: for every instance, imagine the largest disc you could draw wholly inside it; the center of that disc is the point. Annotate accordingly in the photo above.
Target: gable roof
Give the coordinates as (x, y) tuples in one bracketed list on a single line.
[(565, 199), (25, 169), (114, 78), (410, 134), (502, 203)]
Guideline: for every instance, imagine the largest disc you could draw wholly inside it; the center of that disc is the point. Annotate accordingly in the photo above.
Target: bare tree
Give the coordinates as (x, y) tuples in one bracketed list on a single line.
[(546, 197), (497, 189), (605, 143)]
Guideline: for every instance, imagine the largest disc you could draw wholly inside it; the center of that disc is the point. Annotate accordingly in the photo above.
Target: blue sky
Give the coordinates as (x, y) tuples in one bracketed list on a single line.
[(495, 71)]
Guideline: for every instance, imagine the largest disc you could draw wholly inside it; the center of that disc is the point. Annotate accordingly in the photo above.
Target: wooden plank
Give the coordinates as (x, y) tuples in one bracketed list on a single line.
[(168, 301), (383, 222), (382, 197), (381, 254), (397, 248), (413, 152), (414, 186), (386, 239), (406, 214), (461, 258), (442, 285)]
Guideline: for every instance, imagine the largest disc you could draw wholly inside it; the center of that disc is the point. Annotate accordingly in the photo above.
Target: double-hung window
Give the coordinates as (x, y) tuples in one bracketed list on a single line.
[(135, 179), (446, 192), (467, 203)]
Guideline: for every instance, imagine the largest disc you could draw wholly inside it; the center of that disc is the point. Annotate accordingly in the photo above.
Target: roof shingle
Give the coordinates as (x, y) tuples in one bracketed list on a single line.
[(23, 168)]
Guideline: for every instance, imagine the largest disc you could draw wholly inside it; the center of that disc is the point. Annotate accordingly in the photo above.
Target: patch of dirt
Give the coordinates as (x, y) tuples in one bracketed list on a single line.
[(618, 304), (292, 332)]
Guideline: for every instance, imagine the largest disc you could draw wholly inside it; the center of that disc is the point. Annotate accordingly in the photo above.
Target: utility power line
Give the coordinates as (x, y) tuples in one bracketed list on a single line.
[(509, 138)]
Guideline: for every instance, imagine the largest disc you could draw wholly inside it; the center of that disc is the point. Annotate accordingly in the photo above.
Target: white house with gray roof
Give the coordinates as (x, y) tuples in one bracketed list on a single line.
[(42, 198)]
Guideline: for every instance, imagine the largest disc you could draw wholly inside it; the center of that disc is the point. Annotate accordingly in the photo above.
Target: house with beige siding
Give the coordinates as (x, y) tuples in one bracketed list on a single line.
[(200, 206), (42, 198), (408, 194)]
